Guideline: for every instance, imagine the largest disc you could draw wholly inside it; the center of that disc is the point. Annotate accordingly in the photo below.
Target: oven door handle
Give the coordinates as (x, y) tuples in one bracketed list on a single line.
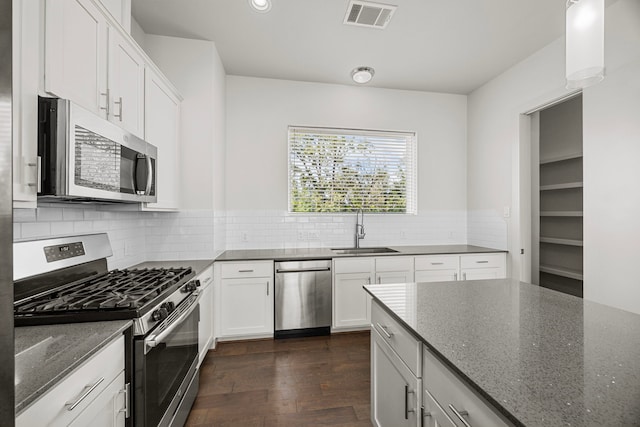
[(155, 339)]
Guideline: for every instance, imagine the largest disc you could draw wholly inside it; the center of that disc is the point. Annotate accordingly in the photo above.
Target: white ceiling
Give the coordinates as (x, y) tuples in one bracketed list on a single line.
[(449, 46)]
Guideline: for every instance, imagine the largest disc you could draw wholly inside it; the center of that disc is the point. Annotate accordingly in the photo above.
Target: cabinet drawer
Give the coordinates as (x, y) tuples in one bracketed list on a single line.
[(394, 263), (353, 265), (437, 262), (449, 391), (99, 371), (206, 277), (233, 270), (399, 339), (482, 260)]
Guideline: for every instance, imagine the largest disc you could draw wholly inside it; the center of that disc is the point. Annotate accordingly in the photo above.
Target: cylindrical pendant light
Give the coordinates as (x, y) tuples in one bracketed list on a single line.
[(585, 43)]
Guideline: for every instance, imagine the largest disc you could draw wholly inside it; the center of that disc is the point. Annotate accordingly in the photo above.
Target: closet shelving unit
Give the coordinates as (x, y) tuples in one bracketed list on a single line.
[(560, 192)]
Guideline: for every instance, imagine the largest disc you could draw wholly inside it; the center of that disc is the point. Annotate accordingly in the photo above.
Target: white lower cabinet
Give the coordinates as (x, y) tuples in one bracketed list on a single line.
[(245, 302), (444, 391), (447, 268), (205, 327), (351, 303), (395, 373), (94, 394), (394, 269)]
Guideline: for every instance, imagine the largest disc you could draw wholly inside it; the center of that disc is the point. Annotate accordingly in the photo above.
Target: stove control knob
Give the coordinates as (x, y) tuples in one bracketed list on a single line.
[(191, 286), (169, 306), (160, 314)]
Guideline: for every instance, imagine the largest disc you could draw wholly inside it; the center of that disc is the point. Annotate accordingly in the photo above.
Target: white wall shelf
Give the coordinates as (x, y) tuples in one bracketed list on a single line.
[(560, 158), (561, 271), (556, 241), (564, 186)]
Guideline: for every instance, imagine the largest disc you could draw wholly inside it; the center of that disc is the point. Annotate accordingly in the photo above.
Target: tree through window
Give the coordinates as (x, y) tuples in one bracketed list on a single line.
[(342, 170)]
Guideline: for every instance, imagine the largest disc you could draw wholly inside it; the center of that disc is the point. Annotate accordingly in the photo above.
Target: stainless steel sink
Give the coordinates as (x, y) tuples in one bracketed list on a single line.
[(356, 251)]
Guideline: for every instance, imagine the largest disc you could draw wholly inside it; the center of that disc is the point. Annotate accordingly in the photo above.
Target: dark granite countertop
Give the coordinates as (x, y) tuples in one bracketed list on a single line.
[(45, 355), (198, 265), (327, 253), (541, 357)]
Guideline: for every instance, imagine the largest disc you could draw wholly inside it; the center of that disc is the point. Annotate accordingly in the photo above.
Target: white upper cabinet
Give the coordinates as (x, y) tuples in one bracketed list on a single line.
[(121, 12), (126, 84), (162, 115), (90, 62), (76, 53)]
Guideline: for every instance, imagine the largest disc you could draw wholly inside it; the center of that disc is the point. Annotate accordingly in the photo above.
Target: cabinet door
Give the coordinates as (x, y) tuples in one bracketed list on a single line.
[(351, 305), (436, 275), (394, 389), (433, 415), (76, 53), (108, 409), (205, 327), (162, 115), (247, 306), (26, 78), (394, 277), (126, 84), (482, 273)]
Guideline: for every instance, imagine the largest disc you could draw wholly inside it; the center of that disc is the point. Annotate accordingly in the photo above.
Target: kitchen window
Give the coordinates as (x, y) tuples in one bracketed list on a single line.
[(342, 170)]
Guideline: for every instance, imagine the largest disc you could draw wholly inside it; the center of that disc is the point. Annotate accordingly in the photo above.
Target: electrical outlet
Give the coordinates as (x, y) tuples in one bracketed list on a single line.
[(506, 212), (403, 235), (245, 236), (302, 236), (314, 235)]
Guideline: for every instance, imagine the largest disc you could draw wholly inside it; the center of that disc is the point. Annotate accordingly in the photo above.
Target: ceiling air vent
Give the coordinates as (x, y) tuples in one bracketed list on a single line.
[(368, 14)]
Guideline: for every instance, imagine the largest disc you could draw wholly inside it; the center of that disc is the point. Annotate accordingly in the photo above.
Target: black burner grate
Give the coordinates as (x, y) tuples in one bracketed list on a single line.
[(112, 291)]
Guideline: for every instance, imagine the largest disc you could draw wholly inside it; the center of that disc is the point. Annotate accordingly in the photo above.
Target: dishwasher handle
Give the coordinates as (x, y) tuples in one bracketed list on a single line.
[(303, 270)]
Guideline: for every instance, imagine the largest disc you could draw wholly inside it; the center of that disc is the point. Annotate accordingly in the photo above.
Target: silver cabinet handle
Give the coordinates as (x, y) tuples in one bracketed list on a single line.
[(106, 95), (383, 329), (460, 415), (267, 288), (455, 276), (35, 167), (83, 395), (207, 280), (379, 279), (126, 390), (39, 174), (406, 402), (369, 280), (482, 262), (245, 271), (464, 276), (437, 263), (119, 102)]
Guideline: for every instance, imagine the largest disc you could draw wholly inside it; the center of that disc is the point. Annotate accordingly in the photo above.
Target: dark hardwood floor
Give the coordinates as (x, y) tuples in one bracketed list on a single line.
[(291, 382)]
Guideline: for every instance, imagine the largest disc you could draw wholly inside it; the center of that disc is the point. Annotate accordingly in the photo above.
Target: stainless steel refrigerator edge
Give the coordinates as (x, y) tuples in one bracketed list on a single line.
[(7, 358)]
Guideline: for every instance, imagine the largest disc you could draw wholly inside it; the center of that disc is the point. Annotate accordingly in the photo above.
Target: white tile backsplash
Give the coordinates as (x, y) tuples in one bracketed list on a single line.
[(204, 234)]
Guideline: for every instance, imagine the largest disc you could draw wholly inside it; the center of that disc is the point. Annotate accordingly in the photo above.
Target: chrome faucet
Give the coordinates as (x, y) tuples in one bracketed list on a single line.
[(359, 228)]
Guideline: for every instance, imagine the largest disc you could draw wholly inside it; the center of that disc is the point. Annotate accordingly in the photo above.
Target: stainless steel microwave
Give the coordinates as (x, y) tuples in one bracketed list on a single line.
[(83, 157)]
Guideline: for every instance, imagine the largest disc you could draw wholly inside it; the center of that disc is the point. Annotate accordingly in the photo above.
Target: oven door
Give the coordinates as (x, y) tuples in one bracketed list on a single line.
[(165, 365)]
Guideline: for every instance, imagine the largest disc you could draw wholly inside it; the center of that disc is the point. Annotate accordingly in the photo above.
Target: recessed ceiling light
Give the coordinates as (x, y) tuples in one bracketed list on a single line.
[(362, 75), (261, 5)]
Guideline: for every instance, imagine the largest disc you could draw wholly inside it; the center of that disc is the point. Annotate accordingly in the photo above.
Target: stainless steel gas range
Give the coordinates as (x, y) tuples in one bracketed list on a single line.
[(66, 280)]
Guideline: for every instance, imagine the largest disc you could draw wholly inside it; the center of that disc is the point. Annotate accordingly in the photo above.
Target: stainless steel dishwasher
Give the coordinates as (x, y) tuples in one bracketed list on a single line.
[(303, 298)]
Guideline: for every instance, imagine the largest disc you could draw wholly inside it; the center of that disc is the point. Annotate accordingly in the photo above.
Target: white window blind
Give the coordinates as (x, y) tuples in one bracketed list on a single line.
[(342, 170)]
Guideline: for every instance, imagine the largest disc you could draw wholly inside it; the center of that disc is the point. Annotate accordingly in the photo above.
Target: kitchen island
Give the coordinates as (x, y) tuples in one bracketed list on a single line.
[(538, 357)]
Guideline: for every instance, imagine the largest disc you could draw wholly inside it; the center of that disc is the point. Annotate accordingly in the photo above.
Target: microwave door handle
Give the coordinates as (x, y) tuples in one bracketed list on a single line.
[(147, 190)]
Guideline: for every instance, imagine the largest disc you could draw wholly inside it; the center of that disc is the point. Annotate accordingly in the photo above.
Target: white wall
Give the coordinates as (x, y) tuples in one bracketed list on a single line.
[(258, 114), (611, 141)]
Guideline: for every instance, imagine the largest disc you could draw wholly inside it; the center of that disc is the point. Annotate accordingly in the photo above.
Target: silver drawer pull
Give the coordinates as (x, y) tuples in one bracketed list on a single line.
[(126, 391), (119, 102), (482, 262), (437, 263), (406, 402), (384, 330), (85, 392), (207, 280), (460, 415), (245, 271)]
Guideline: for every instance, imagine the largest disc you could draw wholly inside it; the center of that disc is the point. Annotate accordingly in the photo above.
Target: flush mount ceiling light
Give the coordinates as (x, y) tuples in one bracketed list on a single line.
[(261, 5), (585, 43), (362, 75)]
